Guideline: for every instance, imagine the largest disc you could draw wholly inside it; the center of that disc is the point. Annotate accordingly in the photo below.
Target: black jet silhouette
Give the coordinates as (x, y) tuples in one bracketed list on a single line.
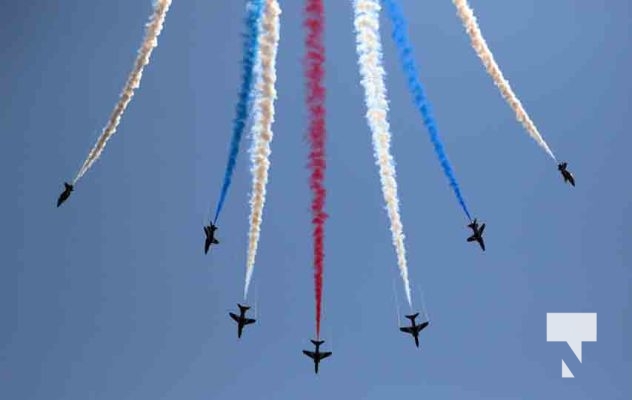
[(478, 233), (317, 355), (210, 237), (65, 194), (568, 177), (414, 329), (241, 319)]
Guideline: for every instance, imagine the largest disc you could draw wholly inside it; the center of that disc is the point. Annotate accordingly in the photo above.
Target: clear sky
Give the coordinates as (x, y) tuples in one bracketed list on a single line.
[(111, 297)]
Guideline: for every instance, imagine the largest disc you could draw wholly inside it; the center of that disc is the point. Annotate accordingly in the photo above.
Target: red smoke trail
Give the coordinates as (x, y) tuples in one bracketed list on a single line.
[(314, 74)]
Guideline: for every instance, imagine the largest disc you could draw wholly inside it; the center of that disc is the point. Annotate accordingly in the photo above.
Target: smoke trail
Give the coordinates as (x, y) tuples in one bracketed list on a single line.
[(400, 36), (133, 82), (369, 49), (251, 47), (314, 72), (396, 298), (480, 46), (262, 129)]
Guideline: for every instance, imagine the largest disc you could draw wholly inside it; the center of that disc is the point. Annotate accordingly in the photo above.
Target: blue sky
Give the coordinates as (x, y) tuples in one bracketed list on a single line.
[(111, 296)]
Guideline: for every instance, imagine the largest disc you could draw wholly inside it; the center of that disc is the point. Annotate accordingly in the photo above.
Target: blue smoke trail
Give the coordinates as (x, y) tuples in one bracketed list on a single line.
[(251, 48), (400, 35)]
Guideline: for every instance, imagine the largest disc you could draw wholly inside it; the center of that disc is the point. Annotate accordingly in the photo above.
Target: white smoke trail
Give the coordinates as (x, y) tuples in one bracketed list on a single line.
[(262, 128), (133, 82), (480, 46), (369, 49), (423, 304), (396, 298)]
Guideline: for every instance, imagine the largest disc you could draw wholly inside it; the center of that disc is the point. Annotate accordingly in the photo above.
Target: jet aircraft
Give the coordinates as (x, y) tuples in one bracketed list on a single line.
[(478, 233), (317, 355), (210, 237), (241, 319), (65, 194), (568, 177), (414, 329)]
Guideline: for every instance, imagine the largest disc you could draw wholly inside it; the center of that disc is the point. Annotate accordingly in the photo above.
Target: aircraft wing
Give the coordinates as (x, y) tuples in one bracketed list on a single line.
[(249, 321), (471, 238), (325, 354), (421, 326), (407, 329), (233, 316), (482, 229), (309, 354)]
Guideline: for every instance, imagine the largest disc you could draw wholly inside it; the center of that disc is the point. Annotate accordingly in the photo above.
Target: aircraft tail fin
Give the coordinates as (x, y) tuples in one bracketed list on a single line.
[(243, 308), (412, 317), (317, 342), (215, 241), (68, 185)]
